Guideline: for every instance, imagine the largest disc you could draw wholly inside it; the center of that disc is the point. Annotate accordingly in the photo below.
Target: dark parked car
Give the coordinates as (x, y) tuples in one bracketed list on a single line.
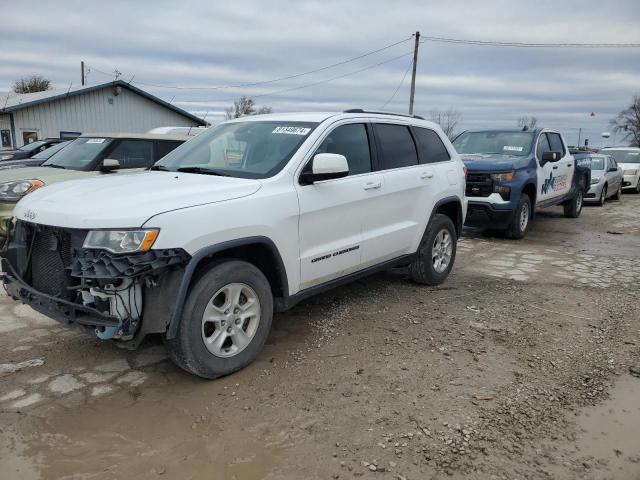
[(29, 150), (37, 160)]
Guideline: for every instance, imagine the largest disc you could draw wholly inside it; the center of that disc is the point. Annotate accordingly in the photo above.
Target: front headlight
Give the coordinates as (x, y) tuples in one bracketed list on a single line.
[(630, 172), (594, 180), (503, 177), (6, 157), (14, 191), (121, 241)]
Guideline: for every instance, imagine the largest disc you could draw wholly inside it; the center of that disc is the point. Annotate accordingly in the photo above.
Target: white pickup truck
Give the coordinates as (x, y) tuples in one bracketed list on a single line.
[(249, 217)]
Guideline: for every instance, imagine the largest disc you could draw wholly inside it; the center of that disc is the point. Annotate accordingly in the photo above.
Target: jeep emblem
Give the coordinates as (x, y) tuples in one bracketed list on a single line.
[(30, 214)]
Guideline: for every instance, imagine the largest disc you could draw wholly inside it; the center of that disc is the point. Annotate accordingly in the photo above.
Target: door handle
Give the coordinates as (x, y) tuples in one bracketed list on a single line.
[(372, 185), (555, 168), (426, 174)]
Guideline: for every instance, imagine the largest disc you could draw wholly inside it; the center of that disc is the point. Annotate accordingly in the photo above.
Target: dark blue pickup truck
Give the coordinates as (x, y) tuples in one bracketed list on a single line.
[(511, 173)]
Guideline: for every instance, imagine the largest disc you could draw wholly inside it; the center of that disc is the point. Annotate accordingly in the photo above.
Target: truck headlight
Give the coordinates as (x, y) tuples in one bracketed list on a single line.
[(121, 241), (503, 177), (630, 172), (14, 191)]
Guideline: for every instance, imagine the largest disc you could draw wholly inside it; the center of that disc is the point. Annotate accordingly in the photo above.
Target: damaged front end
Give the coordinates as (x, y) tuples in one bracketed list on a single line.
[(122, 297)]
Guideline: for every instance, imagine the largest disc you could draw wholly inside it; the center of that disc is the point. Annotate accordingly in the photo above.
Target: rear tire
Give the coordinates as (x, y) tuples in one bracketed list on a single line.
[(225, 321), (520, 222), (618, 194), (573, 207), (603, 196), (436, 253)]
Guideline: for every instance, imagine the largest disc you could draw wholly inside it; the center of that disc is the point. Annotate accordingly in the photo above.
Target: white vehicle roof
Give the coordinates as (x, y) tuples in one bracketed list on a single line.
[(138, 136), (190, 131), (631, 149)]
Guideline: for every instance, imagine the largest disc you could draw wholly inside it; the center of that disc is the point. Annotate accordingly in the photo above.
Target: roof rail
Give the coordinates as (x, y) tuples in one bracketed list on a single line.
[(360, 110)]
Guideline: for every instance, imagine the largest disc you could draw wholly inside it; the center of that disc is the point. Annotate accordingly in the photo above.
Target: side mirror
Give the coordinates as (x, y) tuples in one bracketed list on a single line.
[(549, 157), (613, 169), (110, 164), (325, 166)]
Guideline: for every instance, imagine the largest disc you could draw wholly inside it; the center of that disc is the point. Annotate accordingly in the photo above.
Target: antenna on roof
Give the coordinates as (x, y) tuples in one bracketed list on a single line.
[(131, 79), (69, 89)]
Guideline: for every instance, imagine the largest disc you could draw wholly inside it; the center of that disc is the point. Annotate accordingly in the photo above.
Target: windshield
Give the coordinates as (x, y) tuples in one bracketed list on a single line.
[(79, 154), (254, 149), (30, 147), (45, 154), (624, 156), (495, 142), (597, 163)]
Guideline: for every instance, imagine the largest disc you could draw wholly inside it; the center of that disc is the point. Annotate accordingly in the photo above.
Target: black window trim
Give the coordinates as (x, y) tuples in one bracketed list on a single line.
[(416, 141), (379, 155), (370, 138)]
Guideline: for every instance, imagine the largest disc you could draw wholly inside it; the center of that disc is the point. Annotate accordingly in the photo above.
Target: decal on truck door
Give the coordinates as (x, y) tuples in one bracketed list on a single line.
[(554, 184)]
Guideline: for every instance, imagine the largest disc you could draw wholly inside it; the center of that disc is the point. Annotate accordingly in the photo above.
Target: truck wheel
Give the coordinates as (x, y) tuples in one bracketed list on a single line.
[(521, 216), (436, 253), (573, 207), (225, 322), (603, 196)]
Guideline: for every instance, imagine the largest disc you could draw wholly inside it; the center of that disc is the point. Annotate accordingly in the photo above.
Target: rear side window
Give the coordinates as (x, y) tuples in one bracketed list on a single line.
[(133, 153), (430, 146), (165, 146), (396, 146), (556, 142), (351, 141)]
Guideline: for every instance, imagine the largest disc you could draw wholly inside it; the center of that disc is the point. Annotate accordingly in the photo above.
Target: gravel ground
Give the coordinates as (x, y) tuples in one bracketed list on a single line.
[(518, 367)]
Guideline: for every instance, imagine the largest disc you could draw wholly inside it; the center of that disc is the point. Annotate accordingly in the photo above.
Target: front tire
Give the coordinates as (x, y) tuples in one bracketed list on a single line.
[(603, 196), (521, 217), (436, 253), (225, 322), (573, 207)]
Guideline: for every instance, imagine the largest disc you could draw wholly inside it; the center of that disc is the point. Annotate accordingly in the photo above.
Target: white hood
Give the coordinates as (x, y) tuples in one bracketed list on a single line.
[(126, 200)]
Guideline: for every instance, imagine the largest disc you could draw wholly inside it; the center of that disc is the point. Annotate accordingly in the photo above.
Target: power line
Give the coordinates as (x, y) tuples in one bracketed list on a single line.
[(265, 82), (398, 87), (527, 45), (330, 79)]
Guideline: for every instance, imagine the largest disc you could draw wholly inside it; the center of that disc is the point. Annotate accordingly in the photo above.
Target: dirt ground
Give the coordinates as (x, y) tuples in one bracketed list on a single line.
[(516, 368)]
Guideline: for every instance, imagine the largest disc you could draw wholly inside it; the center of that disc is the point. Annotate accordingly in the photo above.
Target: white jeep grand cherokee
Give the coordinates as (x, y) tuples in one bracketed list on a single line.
[(249, 217)]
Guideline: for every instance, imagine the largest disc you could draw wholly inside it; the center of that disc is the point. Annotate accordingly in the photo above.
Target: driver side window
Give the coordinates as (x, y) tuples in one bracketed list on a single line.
[(352, 141), (543, 146)]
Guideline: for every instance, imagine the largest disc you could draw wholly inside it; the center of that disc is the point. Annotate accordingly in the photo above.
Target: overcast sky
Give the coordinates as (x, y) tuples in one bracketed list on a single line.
[(215, 43)]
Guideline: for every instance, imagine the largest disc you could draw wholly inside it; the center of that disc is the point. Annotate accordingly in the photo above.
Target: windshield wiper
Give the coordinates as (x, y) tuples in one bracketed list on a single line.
[(202, 170), (160, 167), (53, 165)]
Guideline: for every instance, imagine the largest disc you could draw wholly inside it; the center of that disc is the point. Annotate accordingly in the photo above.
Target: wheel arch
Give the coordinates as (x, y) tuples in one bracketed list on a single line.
[(452, 208), (531, 191), (259, 251)]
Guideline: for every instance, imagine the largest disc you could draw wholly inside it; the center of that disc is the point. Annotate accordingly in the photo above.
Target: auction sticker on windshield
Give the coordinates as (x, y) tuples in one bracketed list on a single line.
[(95, 140), (512, 148), (292, 130)]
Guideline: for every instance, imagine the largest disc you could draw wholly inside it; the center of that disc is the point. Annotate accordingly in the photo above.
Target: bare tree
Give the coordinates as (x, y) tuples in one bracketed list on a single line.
[(245, 106), (447, 119), (628, 122), (529, 122), (34, 83)]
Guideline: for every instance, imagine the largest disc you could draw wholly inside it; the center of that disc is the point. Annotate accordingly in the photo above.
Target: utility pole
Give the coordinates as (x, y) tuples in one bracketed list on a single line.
[(82, 72), (579, 135), (413, 75)]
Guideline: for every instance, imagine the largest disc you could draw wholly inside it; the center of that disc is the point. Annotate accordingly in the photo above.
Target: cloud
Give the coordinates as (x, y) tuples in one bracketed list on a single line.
[(201, 43)]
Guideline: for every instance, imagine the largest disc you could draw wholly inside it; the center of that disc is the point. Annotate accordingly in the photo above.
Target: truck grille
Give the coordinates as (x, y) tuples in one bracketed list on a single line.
[(479, 184)]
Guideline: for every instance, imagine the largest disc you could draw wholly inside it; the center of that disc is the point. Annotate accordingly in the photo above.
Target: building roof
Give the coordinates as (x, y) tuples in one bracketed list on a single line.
[(17, 101)]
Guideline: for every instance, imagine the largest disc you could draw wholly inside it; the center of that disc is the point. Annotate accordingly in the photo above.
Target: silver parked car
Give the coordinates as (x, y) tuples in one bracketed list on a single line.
[(606, 178)]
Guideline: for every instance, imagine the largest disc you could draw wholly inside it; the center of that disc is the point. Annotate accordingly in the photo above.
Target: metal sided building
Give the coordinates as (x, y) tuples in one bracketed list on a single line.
[(109, 107)]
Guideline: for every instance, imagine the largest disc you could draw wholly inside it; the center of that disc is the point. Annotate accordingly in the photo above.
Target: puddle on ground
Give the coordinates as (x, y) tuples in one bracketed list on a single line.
[(610, 431)]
